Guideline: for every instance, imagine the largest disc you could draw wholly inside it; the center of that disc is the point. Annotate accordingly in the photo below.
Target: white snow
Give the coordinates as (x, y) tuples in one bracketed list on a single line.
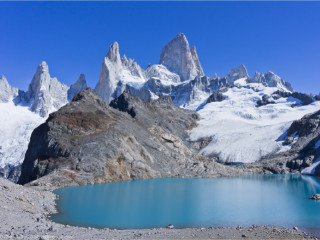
[(310, 170), (17, 124), (240, 131)]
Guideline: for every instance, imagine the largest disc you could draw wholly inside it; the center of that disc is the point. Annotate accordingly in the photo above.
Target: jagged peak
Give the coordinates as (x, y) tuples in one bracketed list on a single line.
[(124, 58), (113, 53), (43, 67), (181, 35), (3, 78), (177, 56), (82, 78), (237, 73)]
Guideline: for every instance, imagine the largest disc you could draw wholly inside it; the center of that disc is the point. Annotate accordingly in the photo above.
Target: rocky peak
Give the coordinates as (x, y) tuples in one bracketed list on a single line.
[(116, 73), (45, 94), (124, 59), (113, 53), (270, 79), (77, 87), (237, 73), (178, 58), (196, 60), (7, 92)]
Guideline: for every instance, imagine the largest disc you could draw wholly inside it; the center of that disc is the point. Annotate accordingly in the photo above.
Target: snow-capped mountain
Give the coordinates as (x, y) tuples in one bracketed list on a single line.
[(243, 117), (45, 94), (21, 112)]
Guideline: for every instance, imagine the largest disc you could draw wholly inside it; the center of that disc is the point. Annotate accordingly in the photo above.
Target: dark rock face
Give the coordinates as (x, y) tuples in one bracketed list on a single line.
[(88, 142), (305, 126), (11, 173), (266, 99), (303, 152), (217, 96)]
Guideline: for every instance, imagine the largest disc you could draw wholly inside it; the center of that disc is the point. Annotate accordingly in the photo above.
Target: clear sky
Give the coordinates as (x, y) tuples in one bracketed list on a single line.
[(73, 37)]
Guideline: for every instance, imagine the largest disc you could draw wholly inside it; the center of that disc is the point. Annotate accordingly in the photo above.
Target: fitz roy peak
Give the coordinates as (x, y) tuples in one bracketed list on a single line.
[(179, 58)]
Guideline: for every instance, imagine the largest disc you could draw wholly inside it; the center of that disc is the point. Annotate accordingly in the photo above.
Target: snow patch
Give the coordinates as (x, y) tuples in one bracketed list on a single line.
[(311, 169)]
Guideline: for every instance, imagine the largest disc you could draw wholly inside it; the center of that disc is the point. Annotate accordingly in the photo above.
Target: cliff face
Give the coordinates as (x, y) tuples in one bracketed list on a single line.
[(88, 141)]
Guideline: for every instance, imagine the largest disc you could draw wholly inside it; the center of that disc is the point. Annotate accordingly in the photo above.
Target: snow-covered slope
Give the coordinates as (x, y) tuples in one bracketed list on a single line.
[(17, 124), (243, 132)]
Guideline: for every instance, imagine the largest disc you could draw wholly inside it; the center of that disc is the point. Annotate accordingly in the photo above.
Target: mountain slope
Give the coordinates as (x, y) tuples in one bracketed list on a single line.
[(88, 142), (21, 112), (242, 132)]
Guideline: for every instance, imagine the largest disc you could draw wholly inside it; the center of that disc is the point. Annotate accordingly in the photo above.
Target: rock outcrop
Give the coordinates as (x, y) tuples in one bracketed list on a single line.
[(7, 92), (45, 94), (77, 87), (237, 73), (304, 154), (88, 141), (179, 58), (303, 99), (217, 96)]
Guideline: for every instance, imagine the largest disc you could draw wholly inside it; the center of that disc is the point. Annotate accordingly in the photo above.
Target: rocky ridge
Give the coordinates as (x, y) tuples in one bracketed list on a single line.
[(88, 142)]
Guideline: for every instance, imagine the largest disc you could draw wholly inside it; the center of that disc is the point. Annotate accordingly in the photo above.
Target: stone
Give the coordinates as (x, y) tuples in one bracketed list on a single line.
[(315, 197), (170, 226)]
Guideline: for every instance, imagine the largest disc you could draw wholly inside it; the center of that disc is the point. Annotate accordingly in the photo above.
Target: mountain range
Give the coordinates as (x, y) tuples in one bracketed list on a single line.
[(241, 119)]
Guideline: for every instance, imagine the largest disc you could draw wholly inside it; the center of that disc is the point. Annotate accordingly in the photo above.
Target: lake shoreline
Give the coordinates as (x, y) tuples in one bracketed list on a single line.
[(25, 214)]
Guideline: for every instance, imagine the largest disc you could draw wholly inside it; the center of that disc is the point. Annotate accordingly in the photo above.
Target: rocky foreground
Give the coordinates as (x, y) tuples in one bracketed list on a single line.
[(24, 215)]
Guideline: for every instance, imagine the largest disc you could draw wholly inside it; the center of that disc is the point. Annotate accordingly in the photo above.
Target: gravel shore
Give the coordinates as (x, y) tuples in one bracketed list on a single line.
[(24, 214)]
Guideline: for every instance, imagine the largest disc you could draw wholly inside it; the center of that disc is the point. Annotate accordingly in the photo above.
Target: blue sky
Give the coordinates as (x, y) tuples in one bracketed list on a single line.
[(73, 37)]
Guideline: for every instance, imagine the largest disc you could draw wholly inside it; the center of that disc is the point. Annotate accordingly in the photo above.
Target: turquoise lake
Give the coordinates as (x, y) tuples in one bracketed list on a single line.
[(278, 200)]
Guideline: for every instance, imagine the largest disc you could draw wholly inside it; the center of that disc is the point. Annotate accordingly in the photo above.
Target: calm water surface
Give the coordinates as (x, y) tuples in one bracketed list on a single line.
[(280, 200)]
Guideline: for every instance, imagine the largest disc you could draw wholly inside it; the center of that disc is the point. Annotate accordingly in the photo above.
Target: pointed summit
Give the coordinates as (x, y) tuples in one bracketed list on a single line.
[(7, 92), (116, 73), (196, 61), (77, 87), (113, 53), (45, 94), (178, 58)]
